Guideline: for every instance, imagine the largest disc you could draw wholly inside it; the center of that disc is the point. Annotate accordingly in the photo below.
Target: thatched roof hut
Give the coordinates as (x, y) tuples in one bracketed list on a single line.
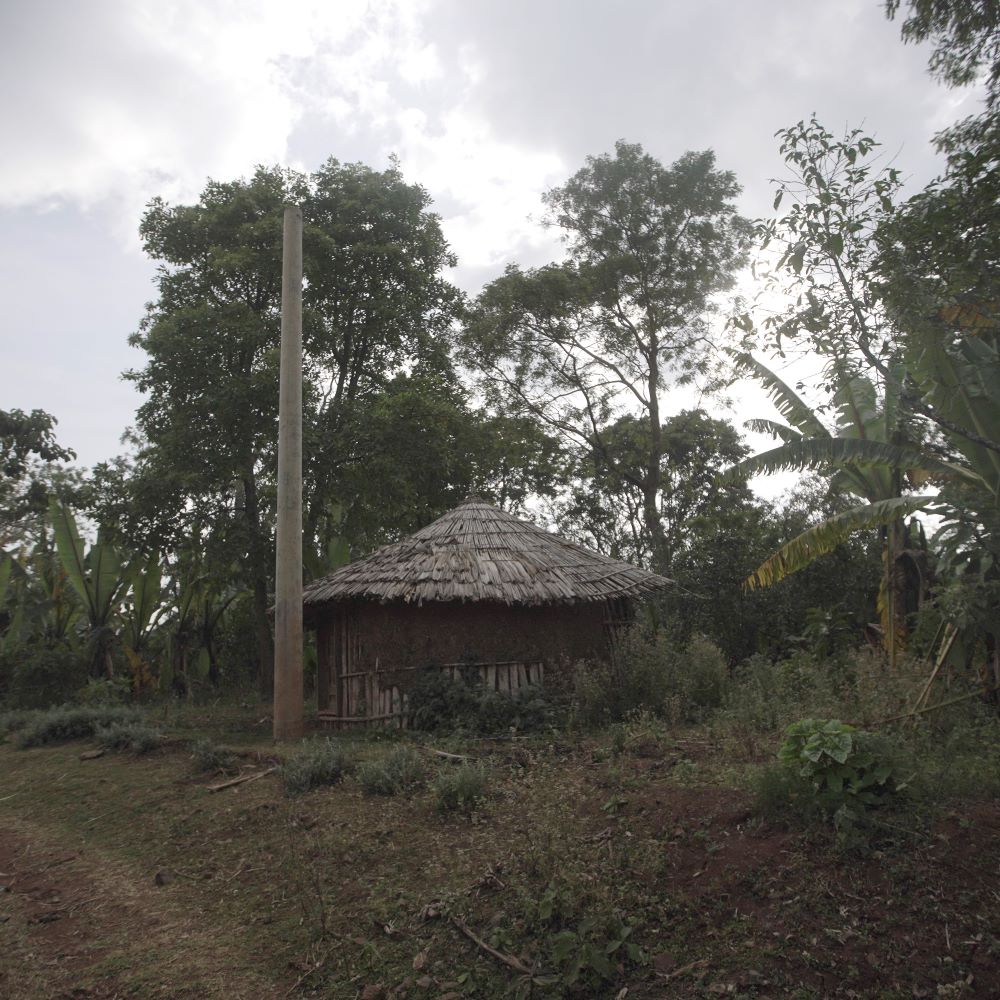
[(479, 591)]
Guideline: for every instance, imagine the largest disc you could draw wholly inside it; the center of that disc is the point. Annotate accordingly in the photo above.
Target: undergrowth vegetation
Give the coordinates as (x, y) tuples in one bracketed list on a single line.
[(209, 757), (135, 737), (439, 703), (58, 725), (316, 762), (391, 773), (460, 789)]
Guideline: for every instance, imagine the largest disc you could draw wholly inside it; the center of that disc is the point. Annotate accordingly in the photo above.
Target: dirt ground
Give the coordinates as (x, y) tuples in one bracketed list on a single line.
[(125, 877)]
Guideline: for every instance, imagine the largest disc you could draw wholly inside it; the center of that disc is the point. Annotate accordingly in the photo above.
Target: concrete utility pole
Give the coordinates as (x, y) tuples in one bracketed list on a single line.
[(288, 703)]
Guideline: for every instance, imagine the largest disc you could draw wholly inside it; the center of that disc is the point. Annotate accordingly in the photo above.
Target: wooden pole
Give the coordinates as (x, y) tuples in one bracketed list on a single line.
[(288, 699)]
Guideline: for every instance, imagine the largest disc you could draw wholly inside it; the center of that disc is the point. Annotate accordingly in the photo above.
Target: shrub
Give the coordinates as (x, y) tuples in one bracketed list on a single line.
[(42, 676), (644, 735), (651, 674), (136, 737), (459, 789), (833, 770), (439, 703), (316, 762), (60, 724), (765, 695), (106, 691), (209, 756), (16, 720), (392, 773), (699, 677)]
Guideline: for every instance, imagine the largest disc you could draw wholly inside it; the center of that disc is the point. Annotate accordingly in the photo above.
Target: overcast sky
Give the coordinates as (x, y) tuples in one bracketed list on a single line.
[(487, 104)]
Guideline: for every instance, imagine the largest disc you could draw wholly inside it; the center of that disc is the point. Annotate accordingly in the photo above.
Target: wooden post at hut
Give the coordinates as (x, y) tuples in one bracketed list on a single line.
[(288, 698)]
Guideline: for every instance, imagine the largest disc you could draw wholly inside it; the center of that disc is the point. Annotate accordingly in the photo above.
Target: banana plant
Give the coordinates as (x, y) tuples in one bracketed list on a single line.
[(96, 576), (139, 616), (200, 603), (868, 455)]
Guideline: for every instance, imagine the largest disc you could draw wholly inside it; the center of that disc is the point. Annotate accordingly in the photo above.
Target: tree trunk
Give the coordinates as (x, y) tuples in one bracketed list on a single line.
[(265, 641), (658, 557), (258, 582)]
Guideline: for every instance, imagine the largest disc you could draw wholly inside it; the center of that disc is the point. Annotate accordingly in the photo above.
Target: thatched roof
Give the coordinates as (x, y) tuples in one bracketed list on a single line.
[(479, 553)]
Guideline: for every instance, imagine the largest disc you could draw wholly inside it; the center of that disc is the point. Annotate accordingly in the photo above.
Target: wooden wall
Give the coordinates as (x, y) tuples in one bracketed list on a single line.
[(368, 651)]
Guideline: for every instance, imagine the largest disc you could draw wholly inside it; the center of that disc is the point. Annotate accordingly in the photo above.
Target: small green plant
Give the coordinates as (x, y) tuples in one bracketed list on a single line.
[(316, 762), (61, 724), (847, 771), (582, 940), (459, 789), (644, 735), (136, 737), (209, 757), (392, 773)]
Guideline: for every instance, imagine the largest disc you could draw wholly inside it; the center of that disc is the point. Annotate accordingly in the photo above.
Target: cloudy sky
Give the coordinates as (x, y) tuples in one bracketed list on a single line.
[(486, 103)]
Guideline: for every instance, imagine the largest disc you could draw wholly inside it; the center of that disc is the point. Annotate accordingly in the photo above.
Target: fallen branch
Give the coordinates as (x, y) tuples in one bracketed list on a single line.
[(241, 779), (509, 960), (446, 755), (940, 704), (683, 970)]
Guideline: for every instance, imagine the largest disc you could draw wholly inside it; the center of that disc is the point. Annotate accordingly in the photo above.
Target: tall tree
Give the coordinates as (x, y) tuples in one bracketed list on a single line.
[(375, 300), (965, 35), (606, 332), (30, 470)]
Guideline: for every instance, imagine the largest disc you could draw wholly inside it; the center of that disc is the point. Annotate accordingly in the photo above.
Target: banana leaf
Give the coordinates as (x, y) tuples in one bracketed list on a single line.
[(826, 536)]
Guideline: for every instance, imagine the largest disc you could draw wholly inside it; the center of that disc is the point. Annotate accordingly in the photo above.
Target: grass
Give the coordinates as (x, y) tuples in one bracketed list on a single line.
[(209, 757), (392, 773), (136, 737), (315, 763), (460, 789), (57, 725), (651, 852)]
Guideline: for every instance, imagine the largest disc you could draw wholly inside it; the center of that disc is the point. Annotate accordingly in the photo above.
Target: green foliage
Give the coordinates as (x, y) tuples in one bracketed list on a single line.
[(439, 703), (25, 434), (965, 35), (72, 723), (105, 691), (460, 789), (376, 305), (584, 949), (135, 737), (41, 674), (848, 771), (16, 720), (316, 762), (652, 674), (623, 317), (31, 470), (208, 756), (392, 773), (643, 735)]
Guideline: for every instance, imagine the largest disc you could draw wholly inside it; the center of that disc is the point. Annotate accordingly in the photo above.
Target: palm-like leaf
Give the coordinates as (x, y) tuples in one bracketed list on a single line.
[(785, 400), (145, 581), (844, 453), (105, 578), (69, 546), (857, 404), (827, 535), (963, 385), (772, 427), (6, 567)]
